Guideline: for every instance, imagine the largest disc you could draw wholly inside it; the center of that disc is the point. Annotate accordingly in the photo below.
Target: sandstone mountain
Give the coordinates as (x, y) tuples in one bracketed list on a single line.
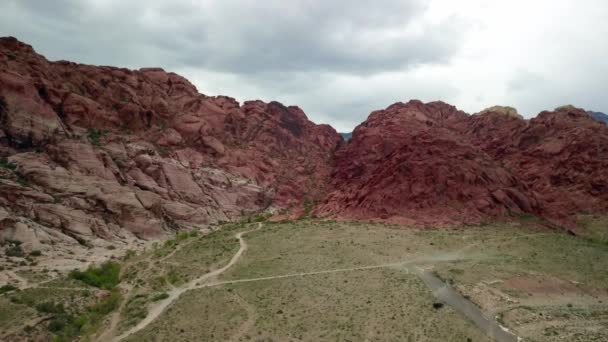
[(97, 152), (102, 152), (431, 164)]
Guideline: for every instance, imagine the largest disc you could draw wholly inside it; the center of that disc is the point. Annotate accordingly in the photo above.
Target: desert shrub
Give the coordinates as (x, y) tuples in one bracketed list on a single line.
[(7, 164), (107, 305), (57, 324), (14, 249), (94, 136), (36, 253), (129, 254), (24, 297), (135, 310), (160, 296), (81, 241), (262, 217), (173, 276), (68, 327), (7, 288), (106, 276), (308, 206), (182, 236), (50, 308)]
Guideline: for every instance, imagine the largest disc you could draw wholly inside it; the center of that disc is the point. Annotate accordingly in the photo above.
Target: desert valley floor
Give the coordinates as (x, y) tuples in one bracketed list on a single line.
[(312, 280)]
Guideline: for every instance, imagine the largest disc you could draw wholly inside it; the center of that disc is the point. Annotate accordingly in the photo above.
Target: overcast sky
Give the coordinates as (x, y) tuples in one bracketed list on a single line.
[(339, 60)]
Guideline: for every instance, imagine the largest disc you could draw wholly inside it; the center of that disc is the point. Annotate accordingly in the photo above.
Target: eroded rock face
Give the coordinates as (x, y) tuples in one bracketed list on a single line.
[(94, 148), (103, 152), (561, 155), (430, 164), (408, 164)]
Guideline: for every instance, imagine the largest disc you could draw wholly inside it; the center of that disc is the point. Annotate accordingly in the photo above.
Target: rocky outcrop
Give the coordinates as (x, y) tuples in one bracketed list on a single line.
[(561, 155), (95, 151), (430, 164), (92, 152), (408, 164)]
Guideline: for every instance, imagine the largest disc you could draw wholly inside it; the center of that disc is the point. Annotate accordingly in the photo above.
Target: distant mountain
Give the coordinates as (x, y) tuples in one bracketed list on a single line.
[(347, 136), (596, 115)]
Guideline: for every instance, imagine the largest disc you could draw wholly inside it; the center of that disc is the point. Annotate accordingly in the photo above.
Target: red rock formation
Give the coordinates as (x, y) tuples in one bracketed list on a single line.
[(100, 148), (430, 164), (561, 155), (408, 164), (97, 151)]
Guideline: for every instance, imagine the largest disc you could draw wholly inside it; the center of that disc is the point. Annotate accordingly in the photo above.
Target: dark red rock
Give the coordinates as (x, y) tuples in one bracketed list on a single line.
[(409, 164), (430, 164), (562, 156)]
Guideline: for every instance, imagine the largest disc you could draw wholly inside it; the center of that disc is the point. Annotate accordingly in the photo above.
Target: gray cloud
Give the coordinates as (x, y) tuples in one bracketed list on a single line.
[(339, 59), (271, 49), (236, 36)]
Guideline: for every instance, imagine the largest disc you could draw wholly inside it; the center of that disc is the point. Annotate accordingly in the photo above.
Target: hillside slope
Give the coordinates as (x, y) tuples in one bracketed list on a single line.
[(430, 164), (94, 151)]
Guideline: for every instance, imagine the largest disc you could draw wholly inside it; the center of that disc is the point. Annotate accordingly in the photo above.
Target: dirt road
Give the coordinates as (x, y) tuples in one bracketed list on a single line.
[(157, 309), (439, 289)]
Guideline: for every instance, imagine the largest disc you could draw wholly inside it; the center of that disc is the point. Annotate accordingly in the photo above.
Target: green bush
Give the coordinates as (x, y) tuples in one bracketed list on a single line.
[(262, 217), (81, 241), (14, 249), (7, 288), (68, 327), (107, 305), (182, 236), (106, 276), (160, 296), (130, 254), (7, 164), (50, 308), (57, 324), (94, 136), (308, 206)]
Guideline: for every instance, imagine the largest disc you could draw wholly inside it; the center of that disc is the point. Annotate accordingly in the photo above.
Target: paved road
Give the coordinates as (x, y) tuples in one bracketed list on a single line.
[(453, 298)]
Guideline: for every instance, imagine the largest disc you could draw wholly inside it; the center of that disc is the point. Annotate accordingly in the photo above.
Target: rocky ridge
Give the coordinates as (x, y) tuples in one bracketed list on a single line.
[(97, 153), (105, 153), (431, 164)]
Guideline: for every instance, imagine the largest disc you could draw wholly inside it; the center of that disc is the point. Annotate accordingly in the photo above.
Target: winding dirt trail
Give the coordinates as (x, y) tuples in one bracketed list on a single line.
[(439, 289), (108, 333), (174, 294), (301, 274)]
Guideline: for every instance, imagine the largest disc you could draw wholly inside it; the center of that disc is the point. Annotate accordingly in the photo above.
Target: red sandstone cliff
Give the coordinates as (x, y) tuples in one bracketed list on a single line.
[(99, 152), (92, 150), (430, 164)]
